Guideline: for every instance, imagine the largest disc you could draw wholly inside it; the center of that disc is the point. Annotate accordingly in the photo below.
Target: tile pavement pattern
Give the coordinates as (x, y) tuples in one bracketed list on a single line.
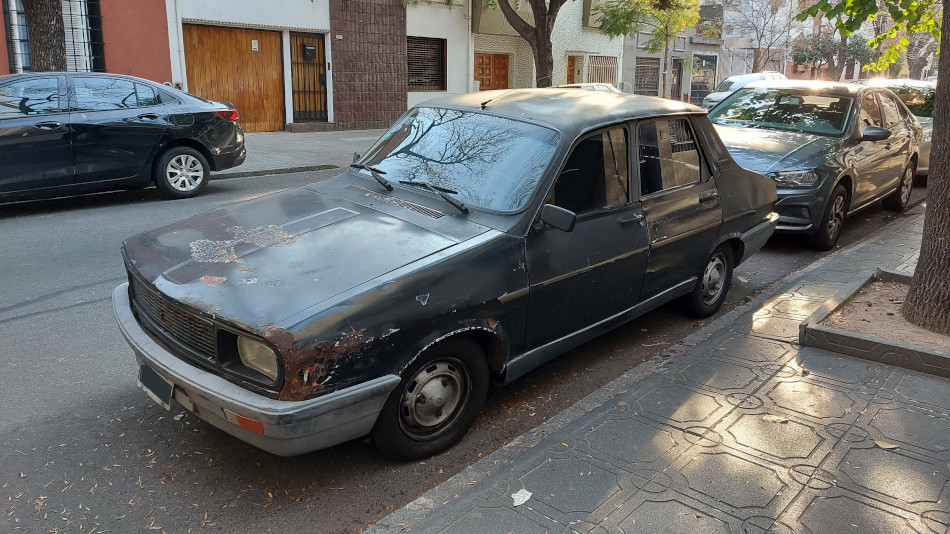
[(738, 429)]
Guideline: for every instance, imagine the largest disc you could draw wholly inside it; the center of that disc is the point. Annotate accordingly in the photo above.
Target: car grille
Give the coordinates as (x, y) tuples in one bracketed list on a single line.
[(190, 329)]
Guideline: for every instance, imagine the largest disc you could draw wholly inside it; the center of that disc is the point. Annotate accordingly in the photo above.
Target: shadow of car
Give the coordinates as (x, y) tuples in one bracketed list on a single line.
[(68, 132), (481, 236), (832, 149)]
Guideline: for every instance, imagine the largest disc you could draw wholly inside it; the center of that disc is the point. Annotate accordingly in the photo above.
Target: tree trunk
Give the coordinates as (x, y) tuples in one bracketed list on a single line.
[(666, 64), (44, 22), (926, 303), (543, 59), (538, 36)]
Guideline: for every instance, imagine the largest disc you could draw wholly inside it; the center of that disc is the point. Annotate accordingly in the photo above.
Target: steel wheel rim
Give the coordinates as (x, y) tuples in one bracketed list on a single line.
[(184, 173), (836, 217), (713, 277), (907, 183), (434, 398)]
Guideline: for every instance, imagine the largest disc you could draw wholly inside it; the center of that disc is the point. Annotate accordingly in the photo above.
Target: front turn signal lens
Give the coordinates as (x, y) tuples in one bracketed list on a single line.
[(258, 356)]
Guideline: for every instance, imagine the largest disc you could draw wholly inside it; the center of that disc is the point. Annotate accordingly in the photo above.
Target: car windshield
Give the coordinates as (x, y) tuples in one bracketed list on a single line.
[(919, 100), (784, 109), (727, 85), (486, 161)]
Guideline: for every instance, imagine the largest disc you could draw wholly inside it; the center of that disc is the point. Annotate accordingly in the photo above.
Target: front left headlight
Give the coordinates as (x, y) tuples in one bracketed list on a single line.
[(796, 179), (258, 356)]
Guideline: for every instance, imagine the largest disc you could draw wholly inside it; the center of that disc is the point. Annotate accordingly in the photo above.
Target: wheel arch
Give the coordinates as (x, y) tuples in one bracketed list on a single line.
[(183, 141), (488, 334)]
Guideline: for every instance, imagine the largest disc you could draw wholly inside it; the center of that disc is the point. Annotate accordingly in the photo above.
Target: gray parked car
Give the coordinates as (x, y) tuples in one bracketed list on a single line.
[(918, 96), (481, 236), (832, 149), (735, 82)]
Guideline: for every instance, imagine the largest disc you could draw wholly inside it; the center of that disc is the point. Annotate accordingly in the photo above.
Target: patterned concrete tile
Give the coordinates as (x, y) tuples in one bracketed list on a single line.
[(785, 440), (893, 474), (811, 399), (570, 485), (844, 513), (727, 478)]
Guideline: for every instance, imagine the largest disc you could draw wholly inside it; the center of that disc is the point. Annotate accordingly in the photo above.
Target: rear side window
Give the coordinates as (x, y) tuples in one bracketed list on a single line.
[(148, 96), (100, 94), (668, 154), (36, 96), (596, 174)]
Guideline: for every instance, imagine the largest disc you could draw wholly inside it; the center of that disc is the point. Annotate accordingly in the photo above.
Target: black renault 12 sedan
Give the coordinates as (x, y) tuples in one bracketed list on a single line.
[(832, 149), (481, 236), (70, 132)]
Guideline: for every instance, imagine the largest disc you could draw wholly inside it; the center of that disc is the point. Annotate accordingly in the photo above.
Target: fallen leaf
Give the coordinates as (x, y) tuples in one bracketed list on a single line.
[(885, 445), (774, 419)]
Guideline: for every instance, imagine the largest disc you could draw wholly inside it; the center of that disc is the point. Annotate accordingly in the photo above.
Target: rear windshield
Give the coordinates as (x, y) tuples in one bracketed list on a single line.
[(785, 109), (486, 161)]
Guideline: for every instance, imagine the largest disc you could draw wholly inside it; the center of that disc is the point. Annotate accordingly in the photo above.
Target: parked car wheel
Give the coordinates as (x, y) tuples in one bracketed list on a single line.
[(898, 200), (181, 172), (713, 284), (436, 402), (833, 220)]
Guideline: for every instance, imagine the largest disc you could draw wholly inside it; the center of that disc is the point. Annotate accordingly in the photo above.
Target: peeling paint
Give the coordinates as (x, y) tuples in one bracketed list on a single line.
[(212, 280), (246, 270), (423, 299), (211, 251), (249, 281), (307, 369)]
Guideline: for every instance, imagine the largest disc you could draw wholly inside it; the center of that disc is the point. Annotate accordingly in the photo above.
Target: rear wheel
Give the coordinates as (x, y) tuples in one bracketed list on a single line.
[(435, 403), (181, 172), (898, 200), (713, 284), (832, 221)]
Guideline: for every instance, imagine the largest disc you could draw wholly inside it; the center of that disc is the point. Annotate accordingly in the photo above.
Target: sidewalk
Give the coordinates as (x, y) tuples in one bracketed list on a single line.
[(275, 152), (683, 443)]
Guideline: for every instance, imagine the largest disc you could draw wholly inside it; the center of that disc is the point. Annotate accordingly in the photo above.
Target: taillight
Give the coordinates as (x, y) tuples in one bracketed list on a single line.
[(229, 114)]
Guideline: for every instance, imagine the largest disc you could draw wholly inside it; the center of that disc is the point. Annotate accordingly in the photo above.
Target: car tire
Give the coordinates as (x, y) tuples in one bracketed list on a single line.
[(832, 220), (898, 200), (435, 403), (181, 172), (713, 284)]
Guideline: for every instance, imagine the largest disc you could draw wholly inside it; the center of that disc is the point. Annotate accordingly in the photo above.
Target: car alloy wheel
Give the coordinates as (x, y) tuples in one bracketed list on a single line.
[(898, 200), (835, 219), (184, 173), (434, 398)]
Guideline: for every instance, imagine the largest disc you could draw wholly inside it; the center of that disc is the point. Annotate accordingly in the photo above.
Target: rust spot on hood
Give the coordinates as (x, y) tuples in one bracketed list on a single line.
[(212, 280), (308, 368), (208, 250)]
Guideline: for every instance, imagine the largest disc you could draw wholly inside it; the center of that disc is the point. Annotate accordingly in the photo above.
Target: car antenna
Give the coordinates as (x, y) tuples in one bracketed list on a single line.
[(485, 103)]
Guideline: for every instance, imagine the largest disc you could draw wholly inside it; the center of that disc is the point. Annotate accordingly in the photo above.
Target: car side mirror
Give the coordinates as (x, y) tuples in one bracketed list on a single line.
[(558, 217), (356, 157), (875, 133)]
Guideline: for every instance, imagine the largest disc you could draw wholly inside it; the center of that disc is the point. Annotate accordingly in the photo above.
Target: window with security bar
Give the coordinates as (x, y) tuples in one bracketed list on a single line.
[(646, 76), (82, 24), (602, 69), (426, 63)]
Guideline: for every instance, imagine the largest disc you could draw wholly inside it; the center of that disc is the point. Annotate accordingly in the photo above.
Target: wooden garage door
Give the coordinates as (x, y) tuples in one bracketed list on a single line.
[(491, 70), (244, 67)]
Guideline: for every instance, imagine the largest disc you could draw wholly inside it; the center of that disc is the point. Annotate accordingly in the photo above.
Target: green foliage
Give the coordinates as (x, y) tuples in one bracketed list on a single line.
[(812, 49), (663, 19)]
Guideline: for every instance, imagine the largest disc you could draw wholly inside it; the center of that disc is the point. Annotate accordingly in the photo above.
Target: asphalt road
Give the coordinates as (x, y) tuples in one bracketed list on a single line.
[(84, 450)]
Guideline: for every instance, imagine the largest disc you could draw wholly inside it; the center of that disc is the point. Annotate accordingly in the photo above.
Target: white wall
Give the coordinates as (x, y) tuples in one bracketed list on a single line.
[(570, 37), (449, 22), (520, 57)]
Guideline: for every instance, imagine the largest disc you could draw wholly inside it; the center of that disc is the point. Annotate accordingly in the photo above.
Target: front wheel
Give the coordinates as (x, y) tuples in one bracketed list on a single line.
[(435, 403), (832, 220), (713, 284), (181, 172), (898, 200)]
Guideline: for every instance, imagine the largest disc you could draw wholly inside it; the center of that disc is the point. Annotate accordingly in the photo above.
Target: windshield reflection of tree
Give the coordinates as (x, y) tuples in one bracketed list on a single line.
[(489, 161), (788, 111)]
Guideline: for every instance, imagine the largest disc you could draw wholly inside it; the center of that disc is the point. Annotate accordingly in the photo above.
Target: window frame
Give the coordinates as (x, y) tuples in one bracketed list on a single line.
[(704, 161), (422, 70)]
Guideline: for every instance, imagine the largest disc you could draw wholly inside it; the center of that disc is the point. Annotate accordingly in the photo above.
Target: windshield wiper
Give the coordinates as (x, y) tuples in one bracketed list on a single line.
[(442, 191), (376, 173)]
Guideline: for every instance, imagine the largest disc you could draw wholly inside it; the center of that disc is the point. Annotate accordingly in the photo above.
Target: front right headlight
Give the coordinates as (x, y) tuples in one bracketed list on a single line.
[(258, 356), (796, 179)]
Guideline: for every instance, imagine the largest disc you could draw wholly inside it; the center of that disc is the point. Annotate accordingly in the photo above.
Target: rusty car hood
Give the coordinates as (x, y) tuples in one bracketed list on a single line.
[(258, 262), (764, 151)]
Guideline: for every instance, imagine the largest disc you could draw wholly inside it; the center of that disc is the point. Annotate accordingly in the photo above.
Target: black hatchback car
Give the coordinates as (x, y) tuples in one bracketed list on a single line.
[(832, 149), (481, 236), (63, 132)]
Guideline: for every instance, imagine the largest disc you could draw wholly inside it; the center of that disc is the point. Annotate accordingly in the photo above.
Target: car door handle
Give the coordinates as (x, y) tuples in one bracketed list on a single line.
[(632, 219), (712, 195), (149, 116), (48, 125)]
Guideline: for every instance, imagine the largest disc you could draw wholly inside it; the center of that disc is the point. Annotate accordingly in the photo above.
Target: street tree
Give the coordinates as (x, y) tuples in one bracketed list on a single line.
[(44, 23), (766, 23), (927, 300), (664, 20), (538, 35)]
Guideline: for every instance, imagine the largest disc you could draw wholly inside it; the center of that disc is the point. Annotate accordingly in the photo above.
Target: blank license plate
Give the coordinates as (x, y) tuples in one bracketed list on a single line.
[(156, 386)]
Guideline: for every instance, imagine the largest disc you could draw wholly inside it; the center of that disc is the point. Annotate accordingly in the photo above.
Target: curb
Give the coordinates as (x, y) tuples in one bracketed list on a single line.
[(267, 172)]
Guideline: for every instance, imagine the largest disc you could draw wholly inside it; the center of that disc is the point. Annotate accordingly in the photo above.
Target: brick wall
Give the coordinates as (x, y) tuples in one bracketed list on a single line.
[(368, 63)]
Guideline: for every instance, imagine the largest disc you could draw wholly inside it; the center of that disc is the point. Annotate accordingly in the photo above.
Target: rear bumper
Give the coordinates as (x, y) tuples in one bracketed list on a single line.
[(289, 428), (755, 238)]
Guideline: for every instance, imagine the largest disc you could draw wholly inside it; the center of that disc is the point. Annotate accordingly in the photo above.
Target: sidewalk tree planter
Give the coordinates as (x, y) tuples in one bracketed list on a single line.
[(926, 303)]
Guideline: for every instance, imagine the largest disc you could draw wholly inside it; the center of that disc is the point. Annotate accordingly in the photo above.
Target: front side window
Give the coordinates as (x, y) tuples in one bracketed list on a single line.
[(870, 113), (100, 94), (426, 58), (784, 109), (890, 109), (596, 174), (668, 155), (484, 160), (35, 96)]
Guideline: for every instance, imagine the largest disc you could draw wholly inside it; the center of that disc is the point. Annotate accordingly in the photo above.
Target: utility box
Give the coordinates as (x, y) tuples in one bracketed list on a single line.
[(309, 51)]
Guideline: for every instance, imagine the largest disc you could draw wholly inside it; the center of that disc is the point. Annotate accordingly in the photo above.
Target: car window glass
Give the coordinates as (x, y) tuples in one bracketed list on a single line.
[(98, 94), (668, 155), (784, 109), (595, 175), (34, 96), (148, 96), (870, 113), (891, 112)]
